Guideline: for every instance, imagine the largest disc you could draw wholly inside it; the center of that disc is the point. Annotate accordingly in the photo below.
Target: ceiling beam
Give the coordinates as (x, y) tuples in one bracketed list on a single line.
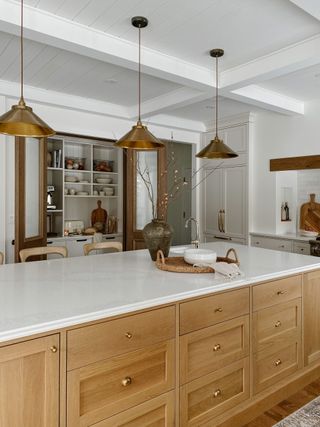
[(312, 7), (163, 103), (265, 98), (44, 27)]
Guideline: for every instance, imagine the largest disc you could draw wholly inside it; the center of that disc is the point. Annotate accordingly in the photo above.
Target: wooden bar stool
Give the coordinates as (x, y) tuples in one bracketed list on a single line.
[(43, 250), (88, 247)]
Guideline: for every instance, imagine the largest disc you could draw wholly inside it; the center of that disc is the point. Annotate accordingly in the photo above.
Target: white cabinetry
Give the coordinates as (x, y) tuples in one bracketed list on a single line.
[(224, 204), (281, 244)]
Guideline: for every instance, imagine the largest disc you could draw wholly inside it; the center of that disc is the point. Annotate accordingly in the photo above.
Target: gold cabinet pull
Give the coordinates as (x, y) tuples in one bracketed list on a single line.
[(218, 310), (277, 324), (281, 292), (126, 381), (217, 393), (129, 335), (216, 347), (53, 349), (277, 362)]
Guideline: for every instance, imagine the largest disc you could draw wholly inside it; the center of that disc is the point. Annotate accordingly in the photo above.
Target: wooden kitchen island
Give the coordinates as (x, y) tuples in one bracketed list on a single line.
[(109, 340)]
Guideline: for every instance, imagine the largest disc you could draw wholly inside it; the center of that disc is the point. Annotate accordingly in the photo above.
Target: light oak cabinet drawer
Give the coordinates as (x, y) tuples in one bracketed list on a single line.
[(103, 389), (97, 342), (212, 348), (277, 325), (270, 368), (208, 311), (276, 292), (209, 396), (158, 412)]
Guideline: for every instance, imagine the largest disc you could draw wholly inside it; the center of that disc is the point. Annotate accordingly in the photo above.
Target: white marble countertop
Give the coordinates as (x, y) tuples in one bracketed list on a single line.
[(47, 295), (288, 236)]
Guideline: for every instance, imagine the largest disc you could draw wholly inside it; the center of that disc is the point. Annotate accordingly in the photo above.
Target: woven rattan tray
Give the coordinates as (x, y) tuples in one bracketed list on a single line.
[(178, 264)]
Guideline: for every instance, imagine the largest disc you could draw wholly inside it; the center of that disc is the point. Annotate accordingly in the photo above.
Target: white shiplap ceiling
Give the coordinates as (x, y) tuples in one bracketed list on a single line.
[(88, 48)]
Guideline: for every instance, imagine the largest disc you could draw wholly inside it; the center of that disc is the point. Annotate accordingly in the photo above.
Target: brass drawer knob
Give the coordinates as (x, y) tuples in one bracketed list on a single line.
[(217, 393), (129, 335), (280, 292), (216, 347), (277, 324), (277, 362), (218, 310), (126, 381), (53, 349)]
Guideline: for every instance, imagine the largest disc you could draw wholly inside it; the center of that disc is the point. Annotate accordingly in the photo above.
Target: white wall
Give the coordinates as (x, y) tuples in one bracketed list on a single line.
[(69, 121), (279, 136)]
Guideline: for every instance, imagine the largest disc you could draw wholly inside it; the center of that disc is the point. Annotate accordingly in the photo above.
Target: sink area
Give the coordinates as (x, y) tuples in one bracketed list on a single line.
[(196, 256)]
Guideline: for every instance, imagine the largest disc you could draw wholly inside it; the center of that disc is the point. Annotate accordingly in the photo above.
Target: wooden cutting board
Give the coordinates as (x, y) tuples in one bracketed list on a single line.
[(310, 215)]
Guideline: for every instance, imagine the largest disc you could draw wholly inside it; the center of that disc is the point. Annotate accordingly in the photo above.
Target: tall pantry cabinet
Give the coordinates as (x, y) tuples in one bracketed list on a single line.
[(225, 186)]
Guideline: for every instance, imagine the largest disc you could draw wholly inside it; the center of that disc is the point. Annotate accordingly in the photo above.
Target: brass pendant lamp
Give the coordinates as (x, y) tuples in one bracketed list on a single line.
[(139, 137), (21, 120), (216, 149)]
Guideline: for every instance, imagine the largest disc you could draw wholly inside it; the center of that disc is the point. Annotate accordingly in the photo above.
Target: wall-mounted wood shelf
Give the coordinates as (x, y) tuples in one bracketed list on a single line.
[(295, 163)]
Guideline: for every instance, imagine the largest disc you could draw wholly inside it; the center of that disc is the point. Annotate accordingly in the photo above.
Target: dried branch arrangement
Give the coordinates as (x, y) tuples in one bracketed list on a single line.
[(176, 188)]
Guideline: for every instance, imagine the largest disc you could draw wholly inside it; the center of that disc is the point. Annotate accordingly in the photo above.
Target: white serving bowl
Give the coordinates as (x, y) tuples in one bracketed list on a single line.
[(104, 180), (199, 256)]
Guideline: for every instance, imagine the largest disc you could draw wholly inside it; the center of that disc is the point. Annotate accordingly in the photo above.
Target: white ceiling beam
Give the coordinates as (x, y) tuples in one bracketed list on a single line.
[(312, 7), (50, 29), (292, 58), (174, 99), (265, 98)]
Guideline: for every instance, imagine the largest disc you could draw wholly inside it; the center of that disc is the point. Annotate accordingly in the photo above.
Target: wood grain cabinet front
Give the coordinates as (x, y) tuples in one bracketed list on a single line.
[(276, 292), (277, 325), (311, 302), (212, 348), (208, 396), (98, 342), (29, 383), (268, 368), (211, 310), (158, 412), (105, 388)]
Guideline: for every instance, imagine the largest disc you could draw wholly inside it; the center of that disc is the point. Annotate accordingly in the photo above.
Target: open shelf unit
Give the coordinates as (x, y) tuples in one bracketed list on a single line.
[(74, 164)]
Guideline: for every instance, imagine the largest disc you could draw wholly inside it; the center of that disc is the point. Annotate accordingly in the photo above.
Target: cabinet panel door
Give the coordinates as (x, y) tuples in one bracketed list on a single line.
[(236, 137), (212, 199), (235, 201), (29, 383), (311, 302)]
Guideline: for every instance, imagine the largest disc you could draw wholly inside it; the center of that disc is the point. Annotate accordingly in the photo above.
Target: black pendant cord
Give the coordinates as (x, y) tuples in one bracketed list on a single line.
[(21, 53), (216, 96), (139, 98)]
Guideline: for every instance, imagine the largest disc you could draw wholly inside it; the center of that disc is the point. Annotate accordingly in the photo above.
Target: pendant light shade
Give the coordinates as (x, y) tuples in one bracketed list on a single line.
[(21, 120), (216, 149), (139, 137)]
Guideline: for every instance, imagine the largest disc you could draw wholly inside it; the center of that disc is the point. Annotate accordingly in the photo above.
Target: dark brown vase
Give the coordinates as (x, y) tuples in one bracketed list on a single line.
[(157, 235)]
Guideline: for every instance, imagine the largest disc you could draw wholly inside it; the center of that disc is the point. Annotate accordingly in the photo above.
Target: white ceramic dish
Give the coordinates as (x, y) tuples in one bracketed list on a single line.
[(103, 180), (307, 233), (69, 178), (198, 256), (82, 193)]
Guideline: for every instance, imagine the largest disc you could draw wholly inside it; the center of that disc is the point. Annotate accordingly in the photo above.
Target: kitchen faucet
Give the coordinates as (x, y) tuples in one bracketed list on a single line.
[(194, 242)]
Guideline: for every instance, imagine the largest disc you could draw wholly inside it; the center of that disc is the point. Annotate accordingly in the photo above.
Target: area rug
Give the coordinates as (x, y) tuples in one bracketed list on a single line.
[(307, 416)]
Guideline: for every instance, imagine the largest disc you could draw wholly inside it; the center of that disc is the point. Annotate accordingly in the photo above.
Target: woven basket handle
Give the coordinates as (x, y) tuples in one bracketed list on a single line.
[(231, 250), (160, 257)]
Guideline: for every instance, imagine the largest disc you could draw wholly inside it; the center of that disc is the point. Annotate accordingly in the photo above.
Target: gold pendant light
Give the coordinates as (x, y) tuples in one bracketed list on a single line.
[(216, 149), (139, 137), (21, 120)]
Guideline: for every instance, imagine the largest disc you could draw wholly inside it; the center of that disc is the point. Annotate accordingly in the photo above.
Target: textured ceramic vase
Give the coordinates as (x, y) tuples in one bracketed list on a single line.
[(157, 235)]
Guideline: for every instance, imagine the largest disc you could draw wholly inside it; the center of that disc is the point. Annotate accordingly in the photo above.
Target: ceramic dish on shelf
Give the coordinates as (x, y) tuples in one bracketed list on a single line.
[(84, 182), (103, 180), (82, 193), (71, 178)]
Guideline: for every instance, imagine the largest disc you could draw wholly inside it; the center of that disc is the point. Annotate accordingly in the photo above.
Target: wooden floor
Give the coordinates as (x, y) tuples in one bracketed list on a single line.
[(287, 406)]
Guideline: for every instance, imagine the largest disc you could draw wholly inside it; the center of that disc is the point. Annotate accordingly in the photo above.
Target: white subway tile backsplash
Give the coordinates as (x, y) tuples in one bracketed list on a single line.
[(308, 182)]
